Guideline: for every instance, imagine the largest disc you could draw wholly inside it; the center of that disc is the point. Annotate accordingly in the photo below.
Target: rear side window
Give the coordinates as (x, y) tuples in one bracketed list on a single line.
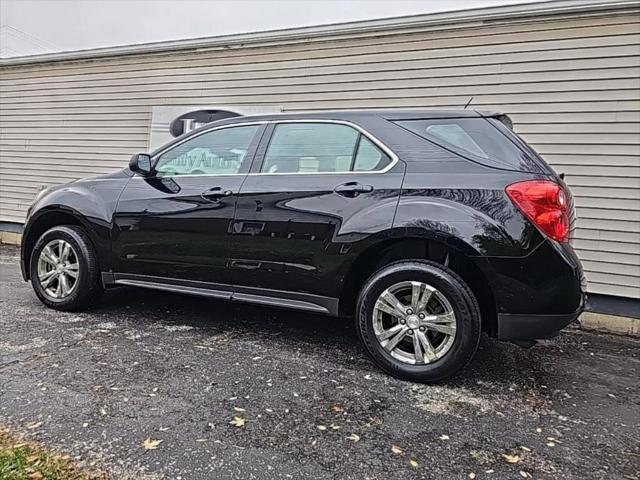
[(321, 148), (476, 139)]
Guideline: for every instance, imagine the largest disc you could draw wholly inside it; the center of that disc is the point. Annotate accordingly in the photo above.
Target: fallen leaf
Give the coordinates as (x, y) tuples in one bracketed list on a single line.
[(36, 475), (334, 426), (337, 409), (150, 444), (524, 474), (85, 425), (551, 444), (526, 449), (472, 475), (200, 440), (374, 422), (354, 437), (444, 437), (163, 429), (238, 409), (103, 411), (322, 428), (396, 449), (414, 463), (511, 458), (238, 422), (33, 425)]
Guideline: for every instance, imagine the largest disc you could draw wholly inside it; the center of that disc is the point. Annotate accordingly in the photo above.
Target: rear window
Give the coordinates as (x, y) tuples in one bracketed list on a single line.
[(476, 139)]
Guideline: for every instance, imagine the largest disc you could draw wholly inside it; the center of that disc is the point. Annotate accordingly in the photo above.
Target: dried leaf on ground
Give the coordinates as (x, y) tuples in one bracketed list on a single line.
[(238, 422), (151, 444), (511, 458), (354, 437), (396, 449)]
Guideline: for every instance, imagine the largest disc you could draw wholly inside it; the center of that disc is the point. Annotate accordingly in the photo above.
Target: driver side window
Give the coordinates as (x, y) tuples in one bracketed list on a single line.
[(219, 152)]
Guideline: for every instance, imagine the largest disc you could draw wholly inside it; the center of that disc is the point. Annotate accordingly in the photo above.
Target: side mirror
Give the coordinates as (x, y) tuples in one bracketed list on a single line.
[(140, 163)]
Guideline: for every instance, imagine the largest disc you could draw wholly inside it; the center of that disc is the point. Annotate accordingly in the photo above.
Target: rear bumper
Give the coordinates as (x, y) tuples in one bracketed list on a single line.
[(532, 327), (538, 295)]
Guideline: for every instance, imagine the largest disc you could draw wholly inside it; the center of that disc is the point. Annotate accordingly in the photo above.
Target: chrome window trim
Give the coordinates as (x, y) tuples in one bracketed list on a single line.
[(394, 158)]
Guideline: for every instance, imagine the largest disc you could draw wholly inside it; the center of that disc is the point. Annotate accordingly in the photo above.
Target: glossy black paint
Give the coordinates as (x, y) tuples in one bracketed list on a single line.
[(295, 240)]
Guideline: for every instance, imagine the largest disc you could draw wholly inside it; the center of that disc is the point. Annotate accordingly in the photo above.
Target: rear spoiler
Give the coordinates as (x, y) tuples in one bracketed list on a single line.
[(501, 117)]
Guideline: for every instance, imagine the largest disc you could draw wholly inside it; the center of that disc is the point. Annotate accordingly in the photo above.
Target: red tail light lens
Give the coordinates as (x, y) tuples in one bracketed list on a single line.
[(546, 204)]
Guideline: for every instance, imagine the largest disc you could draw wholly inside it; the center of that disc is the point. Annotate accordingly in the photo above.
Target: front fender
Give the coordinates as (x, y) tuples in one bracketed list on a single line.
[(90, 203)]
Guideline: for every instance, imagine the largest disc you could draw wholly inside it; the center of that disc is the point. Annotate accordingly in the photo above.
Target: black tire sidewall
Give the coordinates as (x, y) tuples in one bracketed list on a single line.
[(87, 268), (464, 305)]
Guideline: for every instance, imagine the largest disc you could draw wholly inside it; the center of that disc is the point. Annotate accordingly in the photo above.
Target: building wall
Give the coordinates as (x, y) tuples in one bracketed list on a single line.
[(571, 84)]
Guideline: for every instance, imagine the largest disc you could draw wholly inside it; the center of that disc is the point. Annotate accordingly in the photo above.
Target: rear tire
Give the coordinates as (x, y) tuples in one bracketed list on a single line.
[(434, 330), (66, 276)]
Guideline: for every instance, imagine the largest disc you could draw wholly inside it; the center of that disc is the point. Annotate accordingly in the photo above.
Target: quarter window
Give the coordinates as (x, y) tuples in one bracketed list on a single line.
[(476, 138), (218, 152), (369, 157), (320, 148)]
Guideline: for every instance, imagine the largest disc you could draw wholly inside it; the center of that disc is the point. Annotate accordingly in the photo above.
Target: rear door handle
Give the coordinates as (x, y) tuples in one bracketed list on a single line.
[(352, 189), (216, 193)]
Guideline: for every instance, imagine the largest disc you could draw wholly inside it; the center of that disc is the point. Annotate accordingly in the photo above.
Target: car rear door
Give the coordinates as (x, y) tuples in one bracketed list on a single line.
[(174, 226), (317, 193)]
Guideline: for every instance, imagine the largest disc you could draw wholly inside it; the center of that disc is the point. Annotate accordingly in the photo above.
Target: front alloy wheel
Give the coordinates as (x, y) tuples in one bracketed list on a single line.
[(58, 269), (63, 269)]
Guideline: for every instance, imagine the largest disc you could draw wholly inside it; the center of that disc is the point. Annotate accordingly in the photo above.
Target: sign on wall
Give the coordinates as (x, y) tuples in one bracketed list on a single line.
[(168, 122)]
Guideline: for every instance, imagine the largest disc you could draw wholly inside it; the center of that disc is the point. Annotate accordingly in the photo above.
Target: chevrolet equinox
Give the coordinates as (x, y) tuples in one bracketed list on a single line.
[(428, 227)]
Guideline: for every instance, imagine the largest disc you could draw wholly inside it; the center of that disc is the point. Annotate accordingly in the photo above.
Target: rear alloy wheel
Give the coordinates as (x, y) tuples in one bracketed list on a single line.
[(64, 269), (418, 320), (414, 322)]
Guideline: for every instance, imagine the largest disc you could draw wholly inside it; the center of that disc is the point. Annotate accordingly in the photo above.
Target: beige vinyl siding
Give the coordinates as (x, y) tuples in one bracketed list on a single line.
[(571, 85)]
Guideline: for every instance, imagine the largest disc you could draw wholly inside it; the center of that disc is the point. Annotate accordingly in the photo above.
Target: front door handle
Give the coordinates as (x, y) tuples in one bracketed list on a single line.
[(352, 189), (216, 193)]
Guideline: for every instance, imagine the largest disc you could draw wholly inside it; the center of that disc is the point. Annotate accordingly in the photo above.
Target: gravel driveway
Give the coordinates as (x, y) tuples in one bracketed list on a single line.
[(304, 400)]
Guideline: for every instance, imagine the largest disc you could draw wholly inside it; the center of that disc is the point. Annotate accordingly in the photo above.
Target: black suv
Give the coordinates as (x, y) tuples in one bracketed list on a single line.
[(427, 226)]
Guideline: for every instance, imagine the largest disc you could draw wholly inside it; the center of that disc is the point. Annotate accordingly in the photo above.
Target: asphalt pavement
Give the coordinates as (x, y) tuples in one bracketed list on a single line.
[(230, 391)]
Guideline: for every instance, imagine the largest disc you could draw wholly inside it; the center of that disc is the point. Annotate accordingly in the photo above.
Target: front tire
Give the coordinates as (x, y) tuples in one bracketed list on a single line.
[(418, 320), (64, 269)]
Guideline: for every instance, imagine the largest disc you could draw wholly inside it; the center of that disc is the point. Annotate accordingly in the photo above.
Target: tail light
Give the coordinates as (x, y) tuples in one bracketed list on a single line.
[(546, 204)]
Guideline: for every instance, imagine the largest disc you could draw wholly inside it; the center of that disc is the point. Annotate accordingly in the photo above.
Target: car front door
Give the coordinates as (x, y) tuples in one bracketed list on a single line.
[(318, 192), (173, 226)]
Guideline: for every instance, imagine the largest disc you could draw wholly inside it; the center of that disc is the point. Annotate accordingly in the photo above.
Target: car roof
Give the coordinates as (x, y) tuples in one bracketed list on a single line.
[(354, 115)]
